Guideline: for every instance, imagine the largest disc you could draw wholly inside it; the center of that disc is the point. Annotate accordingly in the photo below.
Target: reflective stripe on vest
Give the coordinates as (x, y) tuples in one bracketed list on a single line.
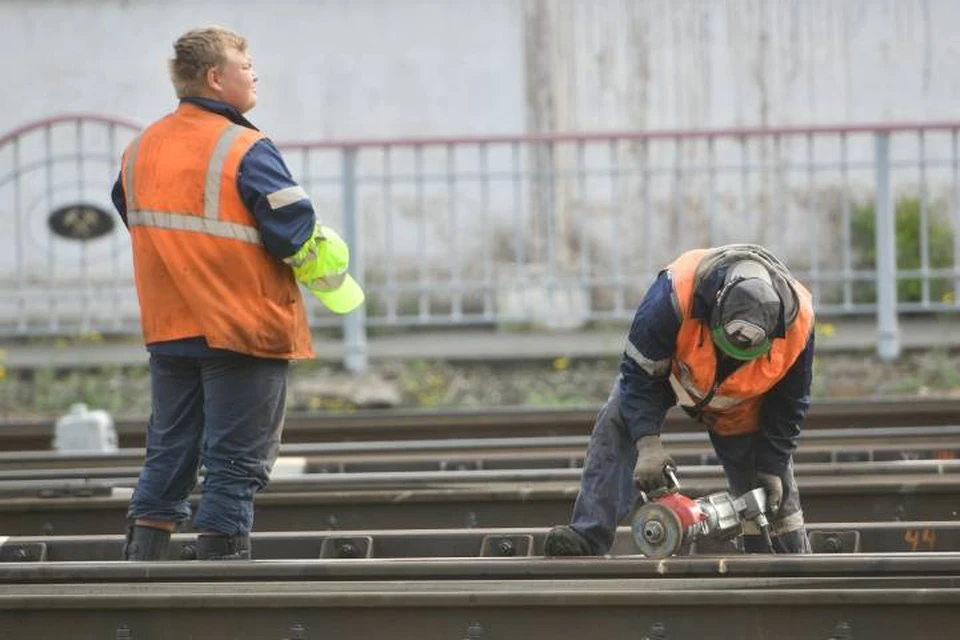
[(688, 395), (128, 175), (187, 222), (210, 224)]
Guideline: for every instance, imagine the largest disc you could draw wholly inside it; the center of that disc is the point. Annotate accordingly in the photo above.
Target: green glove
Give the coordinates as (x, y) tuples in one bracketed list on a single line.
[(321, 266)]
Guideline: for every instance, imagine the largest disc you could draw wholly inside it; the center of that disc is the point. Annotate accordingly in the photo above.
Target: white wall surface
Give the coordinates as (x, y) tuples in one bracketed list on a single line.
[(377, 68), (341, 68)]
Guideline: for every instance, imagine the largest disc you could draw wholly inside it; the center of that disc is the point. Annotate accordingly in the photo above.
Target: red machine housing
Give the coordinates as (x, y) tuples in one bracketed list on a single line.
[(686, 509)]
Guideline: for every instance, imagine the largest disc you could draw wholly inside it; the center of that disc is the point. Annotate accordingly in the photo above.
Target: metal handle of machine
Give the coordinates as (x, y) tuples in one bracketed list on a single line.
[(670, 472)]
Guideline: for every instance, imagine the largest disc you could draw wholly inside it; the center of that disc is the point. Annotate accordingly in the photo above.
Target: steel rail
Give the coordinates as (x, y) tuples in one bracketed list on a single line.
[(886, 497), (866, 570), (824, 445), (557, 609), (509, 422), (13, 484), (519, 542)]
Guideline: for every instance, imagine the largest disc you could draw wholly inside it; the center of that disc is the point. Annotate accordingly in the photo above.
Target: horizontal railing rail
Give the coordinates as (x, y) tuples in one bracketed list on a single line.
[(556, 230)]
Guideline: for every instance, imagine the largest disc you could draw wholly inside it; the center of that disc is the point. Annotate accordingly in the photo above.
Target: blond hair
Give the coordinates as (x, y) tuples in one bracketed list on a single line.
[(198, 50)]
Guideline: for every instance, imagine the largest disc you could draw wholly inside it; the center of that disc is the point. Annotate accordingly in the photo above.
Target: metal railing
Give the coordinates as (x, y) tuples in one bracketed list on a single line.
[(557, 230)]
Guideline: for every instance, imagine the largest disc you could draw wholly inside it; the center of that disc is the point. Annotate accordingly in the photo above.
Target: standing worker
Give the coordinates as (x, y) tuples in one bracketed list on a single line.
[(726, 333), (221, 234)]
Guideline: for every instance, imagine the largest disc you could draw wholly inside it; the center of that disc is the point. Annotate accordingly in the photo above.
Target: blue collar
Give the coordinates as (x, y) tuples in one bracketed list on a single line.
[(220, 108)]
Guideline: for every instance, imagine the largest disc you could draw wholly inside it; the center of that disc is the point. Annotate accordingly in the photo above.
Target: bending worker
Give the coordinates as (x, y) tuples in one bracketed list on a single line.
[(221, 235), (726, 333)]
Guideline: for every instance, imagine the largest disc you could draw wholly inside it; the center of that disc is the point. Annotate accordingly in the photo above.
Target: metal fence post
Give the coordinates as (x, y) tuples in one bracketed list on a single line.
[(888, 331), (354, 323)]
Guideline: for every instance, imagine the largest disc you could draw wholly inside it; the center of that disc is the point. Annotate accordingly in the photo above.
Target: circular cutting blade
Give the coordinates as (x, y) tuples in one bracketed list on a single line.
[(656, 530)]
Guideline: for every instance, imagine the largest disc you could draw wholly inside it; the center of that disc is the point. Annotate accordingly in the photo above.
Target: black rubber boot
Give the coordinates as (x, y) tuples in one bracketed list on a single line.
[(213, 546), (791, 542), (565, 541), (146, 543)]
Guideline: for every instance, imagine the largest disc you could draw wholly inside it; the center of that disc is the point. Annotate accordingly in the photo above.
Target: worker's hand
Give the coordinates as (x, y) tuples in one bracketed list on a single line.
[(773, 486), (651, 460), (321, 260)]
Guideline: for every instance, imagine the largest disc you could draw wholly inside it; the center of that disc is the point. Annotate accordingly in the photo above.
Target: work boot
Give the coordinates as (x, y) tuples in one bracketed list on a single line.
[(215, 546), (146, 543), (789, 542), (565, 541), (793, 542)]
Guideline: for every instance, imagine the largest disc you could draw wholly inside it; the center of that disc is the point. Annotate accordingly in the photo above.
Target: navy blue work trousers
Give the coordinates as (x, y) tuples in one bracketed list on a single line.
[(224, 412), (608, 494)]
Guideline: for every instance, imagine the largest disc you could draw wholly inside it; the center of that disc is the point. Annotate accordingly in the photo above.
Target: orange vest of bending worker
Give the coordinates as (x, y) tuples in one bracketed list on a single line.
[(733, 407), (200, 267)]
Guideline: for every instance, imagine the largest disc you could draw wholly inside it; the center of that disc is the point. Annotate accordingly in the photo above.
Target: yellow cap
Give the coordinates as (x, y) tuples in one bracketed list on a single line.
[(338, 291)]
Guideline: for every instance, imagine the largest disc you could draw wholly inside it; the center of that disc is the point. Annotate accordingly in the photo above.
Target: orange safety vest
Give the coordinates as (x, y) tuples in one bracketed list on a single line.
[(200, 266), (732, 407)]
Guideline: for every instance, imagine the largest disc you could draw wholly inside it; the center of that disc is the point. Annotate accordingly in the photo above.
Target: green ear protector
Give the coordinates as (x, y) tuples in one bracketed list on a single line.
[(720, 337), (727, 347)]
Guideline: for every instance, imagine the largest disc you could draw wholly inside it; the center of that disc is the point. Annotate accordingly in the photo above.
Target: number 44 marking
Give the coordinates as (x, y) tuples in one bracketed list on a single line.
[(920, 539)]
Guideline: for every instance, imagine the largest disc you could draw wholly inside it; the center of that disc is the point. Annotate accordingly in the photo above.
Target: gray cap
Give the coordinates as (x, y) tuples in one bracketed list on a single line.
[(747, 311)]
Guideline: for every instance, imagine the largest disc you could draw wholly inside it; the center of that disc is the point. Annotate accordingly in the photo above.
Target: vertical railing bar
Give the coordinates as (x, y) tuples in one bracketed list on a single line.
[(712, 191), (955, 148), (745, 214), (355, 322), (312, 304), (112, 175), (18, 232), (487, 230), (423, 257), (389, 260), (551, 220), (582, 226), (84, 271), (888, 332), (306, 181), (54, 323), (518, 235), (845, 231), (924, 225), (779, 182), (648, 217), (813, 203), (454, 249), (615, 223), (677, 200)]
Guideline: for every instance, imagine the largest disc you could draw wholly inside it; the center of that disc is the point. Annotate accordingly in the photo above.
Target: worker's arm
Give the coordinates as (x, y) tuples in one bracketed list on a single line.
[(281, 208), (782, 412), (285, 216), (645, 392)]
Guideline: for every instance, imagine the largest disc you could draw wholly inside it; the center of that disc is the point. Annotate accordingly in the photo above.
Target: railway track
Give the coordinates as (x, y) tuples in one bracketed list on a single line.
[(517, 542), (53, 482), (506, 423), (870, 595), (544, 452), (432, 525), (459, 500)]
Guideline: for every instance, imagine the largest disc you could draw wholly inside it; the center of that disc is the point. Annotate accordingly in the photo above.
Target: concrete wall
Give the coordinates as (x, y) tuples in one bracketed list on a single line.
[(722, 63), (372, 68), (340, 69), (328, 68)]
